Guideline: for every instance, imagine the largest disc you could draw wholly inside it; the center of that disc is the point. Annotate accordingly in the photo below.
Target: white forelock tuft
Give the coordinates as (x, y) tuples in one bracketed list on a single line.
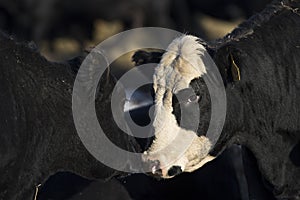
[(190, 50), (181, 63)]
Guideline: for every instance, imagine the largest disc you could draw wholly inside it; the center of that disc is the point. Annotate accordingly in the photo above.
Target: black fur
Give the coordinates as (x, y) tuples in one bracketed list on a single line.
[(37, 134), (182, 104), (263, 108), (143, 57), (294, 155)]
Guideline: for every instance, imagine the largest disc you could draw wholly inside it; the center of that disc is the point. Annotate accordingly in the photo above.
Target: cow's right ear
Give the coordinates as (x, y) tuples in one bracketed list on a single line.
[(143, 57)]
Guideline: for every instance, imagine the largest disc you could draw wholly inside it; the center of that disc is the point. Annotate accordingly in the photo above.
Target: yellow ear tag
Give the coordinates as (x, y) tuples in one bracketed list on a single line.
[(36, 191), (235, 70)]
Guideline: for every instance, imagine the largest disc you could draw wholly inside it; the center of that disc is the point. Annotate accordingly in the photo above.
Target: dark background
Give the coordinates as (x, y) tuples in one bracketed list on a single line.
[(63, 28)]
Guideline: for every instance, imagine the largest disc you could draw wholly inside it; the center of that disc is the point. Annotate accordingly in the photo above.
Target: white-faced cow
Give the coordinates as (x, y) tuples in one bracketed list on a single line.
[(260, 66), (37, 133)]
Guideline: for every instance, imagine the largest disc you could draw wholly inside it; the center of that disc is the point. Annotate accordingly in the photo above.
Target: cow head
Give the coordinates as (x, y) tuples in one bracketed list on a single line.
[(181, 110)]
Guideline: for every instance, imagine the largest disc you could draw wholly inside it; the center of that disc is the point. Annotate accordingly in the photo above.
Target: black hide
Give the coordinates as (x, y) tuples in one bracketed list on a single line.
[(263, 107), (37, 134)]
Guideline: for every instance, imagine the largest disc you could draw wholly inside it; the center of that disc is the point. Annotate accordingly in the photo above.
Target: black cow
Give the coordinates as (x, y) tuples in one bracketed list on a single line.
[(259, 64), (37, 133)]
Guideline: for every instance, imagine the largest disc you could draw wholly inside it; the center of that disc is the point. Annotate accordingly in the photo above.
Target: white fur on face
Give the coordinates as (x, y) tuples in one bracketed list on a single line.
[(173, 145)]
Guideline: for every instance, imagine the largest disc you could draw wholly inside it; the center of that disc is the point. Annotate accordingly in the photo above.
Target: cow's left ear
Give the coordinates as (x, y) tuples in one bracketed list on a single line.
[(141, 57), (227, 61)]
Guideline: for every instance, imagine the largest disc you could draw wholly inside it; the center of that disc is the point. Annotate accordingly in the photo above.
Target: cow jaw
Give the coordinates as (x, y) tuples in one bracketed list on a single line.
[(173, 145)]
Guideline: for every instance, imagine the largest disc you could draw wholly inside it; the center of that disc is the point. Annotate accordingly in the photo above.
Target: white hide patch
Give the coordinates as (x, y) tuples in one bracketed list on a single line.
[(180, 64)]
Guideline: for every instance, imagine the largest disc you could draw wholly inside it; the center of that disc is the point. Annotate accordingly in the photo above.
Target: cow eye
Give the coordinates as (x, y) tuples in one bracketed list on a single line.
[(193, 98)]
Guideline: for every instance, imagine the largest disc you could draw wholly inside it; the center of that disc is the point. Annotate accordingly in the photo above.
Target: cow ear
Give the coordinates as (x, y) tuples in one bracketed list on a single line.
[(143, 57)]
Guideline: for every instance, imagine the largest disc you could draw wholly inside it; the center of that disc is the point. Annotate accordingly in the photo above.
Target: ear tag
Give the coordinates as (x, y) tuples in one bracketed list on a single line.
[(235, 70)]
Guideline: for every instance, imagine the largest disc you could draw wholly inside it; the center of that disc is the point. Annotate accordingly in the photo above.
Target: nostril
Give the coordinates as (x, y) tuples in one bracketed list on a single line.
[(174, 170), (157, 173), (154, 166), (154, 169)]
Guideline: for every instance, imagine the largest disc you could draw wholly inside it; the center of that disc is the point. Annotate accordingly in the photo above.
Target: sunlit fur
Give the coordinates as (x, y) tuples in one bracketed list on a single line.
[(180, 64)]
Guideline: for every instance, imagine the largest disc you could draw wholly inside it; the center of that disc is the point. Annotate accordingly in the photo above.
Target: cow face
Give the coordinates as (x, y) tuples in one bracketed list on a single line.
[(180, 97)]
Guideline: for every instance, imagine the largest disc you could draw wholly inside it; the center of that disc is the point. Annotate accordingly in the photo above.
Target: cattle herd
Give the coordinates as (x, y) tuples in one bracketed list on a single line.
[(257, 155)]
